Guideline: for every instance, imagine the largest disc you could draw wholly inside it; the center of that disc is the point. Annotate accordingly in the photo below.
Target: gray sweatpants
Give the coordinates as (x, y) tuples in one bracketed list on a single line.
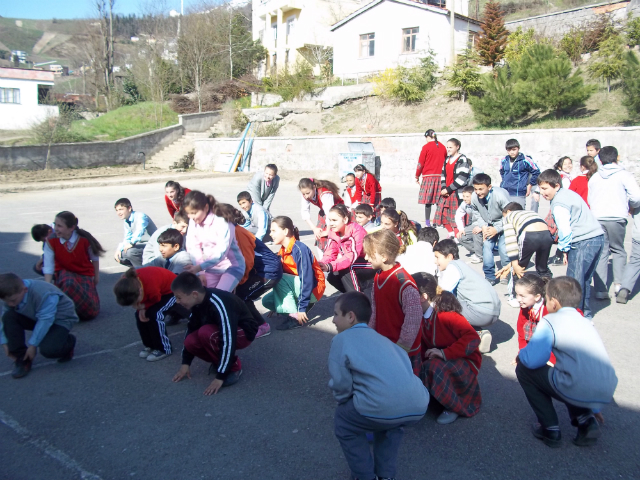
[(478, 318), (471, 241), (133, 256), (614, 232), (632, 270)]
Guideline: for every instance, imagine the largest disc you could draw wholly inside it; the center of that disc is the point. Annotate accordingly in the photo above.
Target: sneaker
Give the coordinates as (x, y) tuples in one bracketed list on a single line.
[(551, 438), (156, 355), (145, 353), (493, 282), (446, 417), (69, 354), (232, 379), (21, 368), (289, 324), (617, 288), (623, 295), (504, 281), (555, 260), (485, 341), (263, 330), (602, 295), (475, 259), (588, 433), (513, 303)]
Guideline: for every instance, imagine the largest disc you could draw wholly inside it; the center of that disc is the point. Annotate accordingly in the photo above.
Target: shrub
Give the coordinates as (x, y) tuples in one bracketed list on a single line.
[(631, 85), (572, 44), (609, 63), (464, 76), (407, 84), (271, 129), (518, 42), (294, 84), (502, 101), (632, 30), (587, 38)]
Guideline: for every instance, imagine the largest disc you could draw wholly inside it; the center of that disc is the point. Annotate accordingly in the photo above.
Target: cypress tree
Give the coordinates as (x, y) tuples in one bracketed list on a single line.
[(494, 35)]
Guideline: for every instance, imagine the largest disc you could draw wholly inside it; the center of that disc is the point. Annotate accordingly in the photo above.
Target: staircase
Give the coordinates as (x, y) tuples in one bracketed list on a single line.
[(166, 157)]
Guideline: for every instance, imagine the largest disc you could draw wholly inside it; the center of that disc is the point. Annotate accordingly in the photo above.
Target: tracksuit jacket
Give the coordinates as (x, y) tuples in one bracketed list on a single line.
[(518, 174)]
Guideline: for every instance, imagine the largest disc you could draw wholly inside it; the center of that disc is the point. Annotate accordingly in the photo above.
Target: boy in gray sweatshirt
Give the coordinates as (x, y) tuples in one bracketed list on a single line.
[(376, 390), (582, 378)]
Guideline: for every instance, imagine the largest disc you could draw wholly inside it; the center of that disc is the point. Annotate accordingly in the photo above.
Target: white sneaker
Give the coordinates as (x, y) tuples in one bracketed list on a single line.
[(145, 353), (485, 341), (475, 259), (156, 355), (446, 417), (513, 303), (617, 288)]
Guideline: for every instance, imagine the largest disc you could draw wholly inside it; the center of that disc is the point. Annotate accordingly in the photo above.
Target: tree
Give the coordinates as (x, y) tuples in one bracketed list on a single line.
[(632, 29), (609, 62), (408, 84), (464, 76), (517, 43), (494, 35), (502, 102), (631, 85)]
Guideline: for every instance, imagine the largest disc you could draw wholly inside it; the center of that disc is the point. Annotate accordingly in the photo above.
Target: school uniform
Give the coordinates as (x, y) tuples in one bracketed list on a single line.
[(138, 228), (173, 207), (580, 185), (258, 222), (453, 178), (464, 222), (417, 258), (353, 196), (371, 190), (262, 192), (528, 320), (324, 200), (175, 263), (429, 168)]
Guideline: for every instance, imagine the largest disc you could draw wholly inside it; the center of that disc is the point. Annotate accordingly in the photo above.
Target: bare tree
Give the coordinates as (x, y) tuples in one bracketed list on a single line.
[(100, 48)]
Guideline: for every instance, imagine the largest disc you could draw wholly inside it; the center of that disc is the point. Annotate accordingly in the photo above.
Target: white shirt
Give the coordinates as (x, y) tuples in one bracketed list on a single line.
[(418, 257), (449, 279), (327, 203), (49, 264)]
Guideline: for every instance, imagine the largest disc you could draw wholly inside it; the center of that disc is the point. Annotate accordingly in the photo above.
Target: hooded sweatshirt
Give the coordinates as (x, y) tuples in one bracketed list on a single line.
[(342, 252), (612, 190)]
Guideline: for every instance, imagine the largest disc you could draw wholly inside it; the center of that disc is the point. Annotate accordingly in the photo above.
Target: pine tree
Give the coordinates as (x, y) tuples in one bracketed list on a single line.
[(464, 75), (609, 61), (494, 35), (502, 102), (631, 85)]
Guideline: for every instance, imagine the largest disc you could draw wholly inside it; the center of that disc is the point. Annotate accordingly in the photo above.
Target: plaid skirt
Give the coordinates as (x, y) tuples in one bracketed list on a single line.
[(82, 292), (453, 383), (377, 198), (446, 211), (322, 224), (429, 190)]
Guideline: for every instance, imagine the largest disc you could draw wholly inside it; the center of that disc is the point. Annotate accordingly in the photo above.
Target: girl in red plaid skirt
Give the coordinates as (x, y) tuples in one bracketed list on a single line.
[(451, 359), (429, 168), (324, 195), (455, 173), (371, 189)]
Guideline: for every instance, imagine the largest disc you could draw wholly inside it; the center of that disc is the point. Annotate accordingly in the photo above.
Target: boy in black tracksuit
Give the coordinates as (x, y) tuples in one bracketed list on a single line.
[(220, 323)]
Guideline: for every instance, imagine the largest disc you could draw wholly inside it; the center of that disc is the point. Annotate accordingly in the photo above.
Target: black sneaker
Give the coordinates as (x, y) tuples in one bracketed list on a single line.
[(170, 320), (551, 438), (623, 295), (69, 355), (21, 368), (232, 379), (289, 324), (493, 282), (588, 433)]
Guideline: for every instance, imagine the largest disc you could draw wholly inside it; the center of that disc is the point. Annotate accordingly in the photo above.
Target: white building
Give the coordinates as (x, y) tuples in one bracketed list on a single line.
[(387, 33), (23, 94)]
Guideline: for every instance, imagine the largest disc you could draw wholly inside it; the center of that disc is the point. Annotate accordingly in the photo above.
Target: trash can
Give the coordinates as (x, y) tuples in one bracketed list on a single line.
[(359, 153)]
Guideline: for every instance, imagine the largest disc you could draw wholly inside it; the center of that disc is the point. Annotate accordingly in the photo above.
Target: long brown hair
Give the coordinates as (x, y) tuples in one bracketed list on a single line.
[(447, 302), (127, 289), (403, 223), (179, 188), (285, 223), (70, 220), (590, 164), (231, 214), (311, 183), (197, 200)]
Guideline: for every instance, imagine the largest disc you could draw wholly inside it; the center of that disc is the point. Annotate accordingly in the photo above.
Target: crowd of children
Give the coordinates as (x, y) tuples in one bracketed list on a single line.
[(401, 285)]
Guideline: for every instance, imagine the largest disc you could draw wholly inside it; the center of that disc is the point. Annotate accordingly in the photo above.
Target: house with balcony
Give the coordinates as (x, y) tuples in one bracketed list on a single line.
[(387, 33), (24, 95)]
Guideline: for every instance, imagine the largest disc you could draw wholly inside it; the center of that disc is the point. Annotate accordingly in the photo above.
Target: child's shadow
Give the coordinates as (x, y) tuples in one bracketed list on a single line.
[(501, 332)]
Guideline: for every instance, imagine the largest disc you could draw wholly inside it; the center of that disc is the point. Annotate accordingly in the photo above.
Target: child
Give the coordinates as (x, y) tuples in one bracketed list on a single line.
[(371, 189), (151, 249), (430, 168), (365, 217), (564, 167), (137, 229), (473, 171), (632, 269), (211, 242), (582, 378), (464, 223), (419, 256), (593, 150), (580, 236), (455, 173), (451, 360), (264, 185), (480, 302), (174, 196), (40, 307), (148, 291), (40, 233), (519, 173), (353, 191), (343, 258), (395, 301), (368, 373), (220, 324), (172, 256), (257, 219), (580, 184), (324, 195), (302, 283), (384, 204), (530, 289), (72, 262), (400, 225)]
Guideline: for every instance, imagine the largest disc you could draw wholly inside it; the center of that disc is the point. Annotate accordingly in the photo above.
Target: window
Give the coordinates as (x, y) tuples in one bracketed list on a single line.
[(9, 95), (274, 33), (367, 45), (409, 37), (291, 25), (44, 92)]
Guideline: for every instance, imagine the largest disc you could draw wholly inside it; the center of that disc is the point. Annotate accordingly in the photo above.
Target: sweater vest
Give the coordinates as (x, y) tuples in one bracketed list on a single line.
[(76, 261), (475, 290), (318, 200), (583, 224), (38, 292)]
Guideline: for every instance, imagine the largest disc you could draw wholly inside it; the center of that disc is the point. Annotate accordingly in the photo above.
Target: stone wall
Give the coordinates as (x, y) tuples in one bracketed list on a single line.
[(199, 122)]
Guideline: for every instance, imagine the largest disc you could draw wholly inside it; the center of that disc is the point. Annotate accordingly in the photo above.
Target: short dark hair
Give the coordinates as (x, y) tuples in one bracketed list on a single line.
[(456, 142), (468, 189), (608, 155), (512, 207), (566, 290), (244, 195), (447, 247), (355, 302), (429, 235), (594, 143), (272, 166), (350, 175), (550, 176), (365, 209), (512, 142), (10, 284), (470, 162), (123, 202), (187, 283), (482, 179), (426, 283), (40, 232), (388, 203), (181, 217), (171, 236)]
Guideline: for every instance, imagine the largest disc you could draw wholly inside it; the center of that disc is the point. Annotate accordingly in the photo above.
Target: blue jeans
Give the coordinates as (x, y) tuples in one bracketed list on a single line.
[(488, 262), (582, 262)]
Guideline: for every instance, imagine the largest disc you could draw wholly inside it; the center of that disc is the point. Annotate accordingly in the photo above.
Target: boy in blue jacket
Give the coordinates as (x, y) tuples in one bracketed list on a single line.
[(582, 378), (519, 173), (138, 228)]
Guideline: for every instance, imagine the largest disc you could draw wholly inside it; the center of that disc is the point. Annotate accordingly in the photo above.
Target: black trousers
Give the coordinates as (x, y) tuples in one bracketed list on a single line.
[(539, 393), (356, 278), (55, 344), (539, 243), (252, 290), (153, 333)]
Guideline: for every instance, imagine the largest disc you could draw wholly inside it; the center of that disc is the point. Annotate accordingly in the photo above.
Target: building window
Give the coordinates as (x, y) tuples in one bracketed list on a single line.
[(409, 37), (44, 94), (291, 25), (367, 45), (9, 95)]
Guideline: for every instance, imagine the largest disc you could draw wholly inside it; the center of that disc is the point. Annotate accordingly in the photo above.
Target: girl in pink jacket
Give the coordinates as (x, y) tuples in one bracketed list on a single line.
[(343, 257), (211, 242)]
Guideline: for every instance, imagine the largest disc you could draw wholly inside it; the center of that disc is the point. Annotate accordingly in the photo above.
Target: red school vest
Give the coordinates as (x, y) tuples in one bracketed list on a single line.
[(389, 287), (318, 200), (76, 261)]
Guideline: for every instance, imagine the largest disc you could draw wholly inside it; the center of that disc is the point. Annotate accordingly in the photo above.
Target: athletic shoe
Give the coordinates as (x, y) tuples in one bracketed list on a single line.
[(145, 353), (622, 295), (475, 259), (485, 341), (617, 288), (156, 355), (602, 295), (232, 379), (588, 433), (513, 303), (551, 438), (493, 282), (446, 417), (289, 324), (504, 281), (263, 330), (69, 355), (21, 368)]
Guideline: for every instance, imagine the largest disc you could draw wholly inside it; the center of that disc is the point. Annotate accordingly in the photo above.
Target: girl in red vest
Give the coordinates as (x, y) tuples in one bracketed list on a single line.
[(395, 302), (324, 195), (71, 260), (371, 189), (455, 173), (451, 359), (580, 184), (429, 168), (174, 196), (354, 190)]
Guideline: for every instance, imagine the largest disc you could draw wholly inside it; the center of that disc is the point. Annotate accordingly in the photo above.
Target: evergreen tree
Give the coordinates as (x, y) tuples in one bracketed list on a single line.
[(631, 85), (494, 35), (609, 62), (464, 76), (502, 102)]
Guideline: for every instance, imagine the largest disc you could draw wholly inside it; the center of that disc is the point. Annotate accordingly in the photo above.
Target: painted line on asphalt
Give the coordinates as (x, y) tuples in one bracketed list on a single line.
[(48, 449)]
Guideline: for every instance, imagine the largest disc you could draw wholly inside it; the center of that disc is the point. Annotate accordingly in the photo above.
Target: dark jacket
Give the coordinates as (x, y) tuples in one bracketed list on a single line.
[(517, 174)]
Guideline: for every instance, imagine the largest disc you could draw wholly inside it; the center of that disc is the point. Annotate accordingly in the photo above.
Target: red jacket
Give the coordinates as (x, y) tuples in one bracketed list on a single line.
[(156, 282), (76, 261), (431, 159), (451, 333), (370, 187), (342, 252), (580, 185), (526, 328), (172, 207)]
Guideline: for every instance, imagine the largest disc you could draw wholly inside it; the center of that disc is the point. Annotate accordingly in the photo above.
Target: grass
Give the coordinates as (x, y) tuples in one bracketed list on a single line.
[(19, 38)]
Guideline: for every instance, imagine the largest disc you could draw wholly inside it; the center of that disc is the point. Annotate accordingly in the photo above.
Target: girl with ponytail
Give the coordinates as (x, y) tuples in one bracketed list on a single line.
[(371, 189), (72, 262), (429, 169), (399, 223), (174, 194), (324, 195)]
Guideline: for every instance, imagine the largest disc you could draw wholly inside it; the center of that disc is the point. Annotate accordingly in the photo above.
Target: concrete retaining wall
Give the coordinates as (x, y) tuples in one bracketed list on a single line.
[(399, 153), (199, 122)]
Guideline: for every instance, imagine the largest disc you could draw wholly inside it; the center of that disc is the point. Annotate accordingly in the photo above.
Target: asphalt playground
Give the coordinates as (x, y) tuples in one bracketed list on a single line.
[(110, 415)]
